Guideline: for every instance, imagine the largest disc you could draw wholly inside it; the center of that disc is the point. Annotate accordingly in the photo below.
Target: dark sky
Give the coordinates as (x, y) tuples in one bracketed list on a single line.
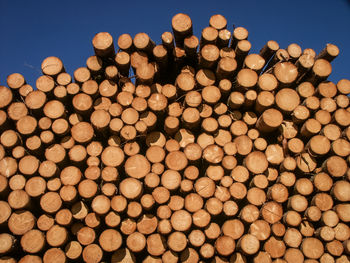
[(33, 30)]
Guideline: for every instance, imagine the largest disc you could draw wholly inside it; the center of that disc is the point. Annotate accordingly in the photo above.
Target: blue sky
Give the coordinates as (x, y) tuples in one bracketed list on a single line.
[(33, 30)]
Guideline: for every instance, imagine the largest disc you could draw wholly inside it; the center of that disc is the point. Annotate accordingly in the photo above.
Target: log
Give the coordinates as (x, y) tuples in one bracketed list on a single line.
[(252, 166)]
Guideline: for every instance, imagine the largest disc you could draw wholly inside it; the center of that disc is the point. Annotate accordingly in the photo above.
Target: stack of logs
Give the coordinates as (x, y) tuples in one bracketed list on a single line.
[(192, 150)]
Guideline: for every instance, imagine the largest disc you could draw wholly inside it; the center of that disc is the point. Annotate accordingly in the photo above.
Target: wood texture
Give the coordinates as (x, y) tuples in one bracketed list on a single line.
[(190, 150)]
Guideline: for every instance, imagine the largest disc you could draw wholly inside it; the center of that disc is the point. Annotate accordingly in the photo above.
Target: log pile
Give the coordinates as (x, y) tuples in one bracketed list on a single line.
[(192, 150)]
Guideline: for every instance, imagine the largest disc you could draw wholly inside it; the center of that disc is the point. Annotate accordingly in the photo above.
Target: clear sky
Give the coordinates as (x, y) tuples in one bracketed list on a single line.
[(33, 30)]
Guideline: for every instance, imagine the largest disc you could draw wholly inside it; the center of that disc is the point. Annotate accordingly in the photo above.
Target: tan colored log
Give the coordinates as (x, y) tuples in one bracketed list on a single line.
[(33, 241), (54, 254), (271, 212), (73, 250), (329, 53), (60, 93), (323, 201), (110, 240), (224, 245), (182, 27), (343, 86), (204, 77), (201, 218), (63, 79), (161, 195), (300, 114), (340, 190), (177, 241), (293, 255), (269, 49), (342, 211), (7, 243), (254, 62), (259, 181), (262, 256), (209, 55), (324, 117), (239, 34), (326, 89), (52, 66), (214, 206), (35, 186), (55, 153), (16, 182), (51, 202), (9, 139), (287, 99), (304, 186), (278, 229), (246, 79), (81, 75), (226, 51), (294, 51), (26, 125), (92, 253), (196, 238), (312, 103), (249, 214), (57, 236), (305, 89), (312, 248), (309, 51), (218, 21), (278, 193), (281, 55), (264, 100), (244, 144), (15, 81), (87, 188), (293, 219), (125, 42), (134, 209), (248, 244), (224, 38), (292, 237), (270, 120), (138, 58), (320, 71), (156, 245), (130, 187), (267, 82), (275, 247), (123, 60), (331, 131), (103, 44), (260, 229), (64, 217), (168, 40), (328, 104), (94, 64), (25, 90), (335, 166), (90, 87), (341, 117), (161, 56), (342, 101), (286, 178), (209, 36), (17, 110), (286, 73), (256, 162), (143, 42)]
